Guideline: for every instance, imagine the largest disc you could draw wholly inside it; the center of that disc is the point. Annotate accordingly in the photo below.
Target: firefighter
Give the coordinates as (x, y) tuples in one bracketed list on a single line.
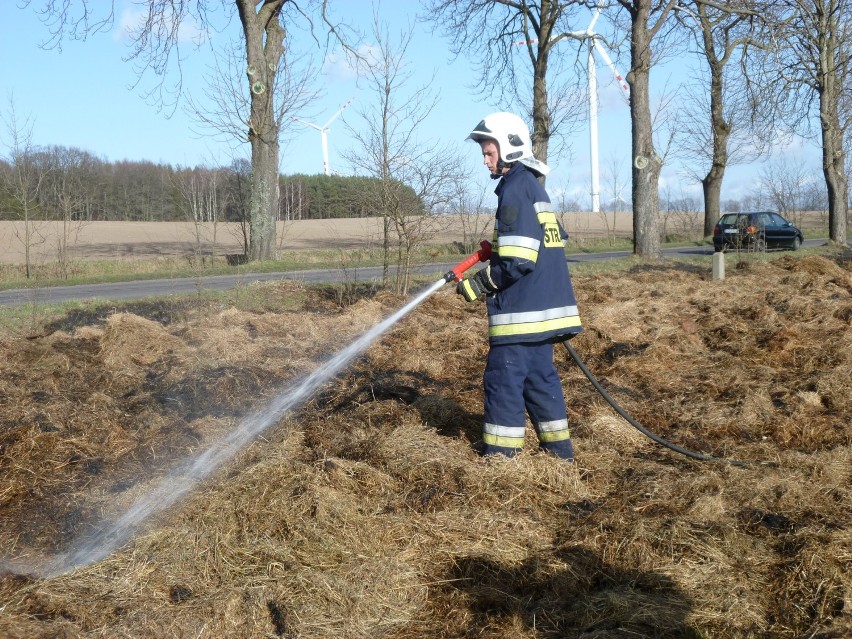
[(528, 292)]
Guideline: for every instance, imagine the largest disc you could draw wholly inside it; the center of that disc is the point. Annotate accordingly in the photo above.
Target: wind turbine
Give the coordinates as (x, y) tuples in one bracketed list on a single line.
[(594, 44), (324, 129)]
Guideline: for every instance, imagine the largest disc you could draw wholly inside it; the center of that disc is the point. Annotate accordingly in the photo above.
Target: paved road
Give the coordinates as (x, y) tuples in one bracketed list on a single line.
[(156, 288)]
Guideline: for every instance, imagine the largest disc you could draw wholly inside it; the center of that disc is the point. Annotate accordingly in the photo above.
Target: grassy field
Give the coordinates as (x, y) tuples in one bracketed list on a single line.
[(132, 240), (114, 251)]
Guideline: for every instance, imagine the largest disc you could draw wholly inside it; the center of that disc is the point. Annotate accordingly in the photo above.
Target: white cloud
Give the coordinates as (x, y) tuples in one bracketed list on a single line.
[(129, 22), (338, 66)]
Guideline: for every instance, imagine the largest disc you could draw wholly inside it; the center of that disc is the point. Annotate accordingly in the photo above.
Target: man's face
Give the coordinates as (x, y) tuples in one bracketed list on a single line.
[(490, 154)]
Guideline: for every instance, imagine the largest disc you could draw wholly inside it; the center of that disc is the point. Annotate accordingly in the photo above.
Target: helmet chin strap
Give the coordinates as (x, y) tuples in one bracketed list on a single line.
[(501, 166)]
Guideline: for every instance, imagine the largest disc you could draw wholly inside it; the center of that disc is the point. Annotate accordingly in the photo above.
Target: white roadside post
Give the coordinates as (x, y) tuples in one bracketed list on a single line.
[(718, 265)]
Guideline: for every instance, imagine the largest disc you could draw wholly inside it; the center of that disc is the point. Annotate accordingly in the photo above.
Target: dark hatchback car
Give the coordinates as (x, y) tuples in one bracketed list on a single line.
[(755, 232)]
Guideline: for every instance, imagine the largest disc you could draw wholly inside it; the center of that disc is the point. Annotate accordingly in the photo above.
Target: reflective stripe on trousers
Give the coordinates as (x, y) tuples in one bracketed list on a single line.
[(521, 379)]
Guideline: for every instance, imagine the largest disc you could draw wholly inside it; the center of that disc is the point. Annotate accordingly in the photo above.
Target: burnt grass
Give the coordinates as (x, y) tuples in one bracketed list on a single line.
[(367, 512)]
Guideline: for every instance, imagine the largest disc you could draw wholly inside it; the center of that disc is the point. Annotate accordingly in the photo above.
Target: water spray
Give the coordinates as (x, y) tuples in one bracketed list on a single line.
[(181, 480)]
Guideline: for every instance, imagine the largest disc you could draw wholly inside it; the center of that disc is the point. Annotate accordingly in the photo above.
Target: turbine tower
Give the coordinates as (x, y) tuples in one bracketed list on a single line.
[(324, 129), (594, 44), (593, 40)]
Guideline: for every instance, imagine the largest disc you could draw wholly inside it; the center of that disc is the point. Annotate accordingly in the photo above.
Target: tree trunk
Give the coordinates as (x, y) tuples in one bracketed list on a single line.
[(836, 181), (541, 112), (264, 36), (647, 164), (712, 182), (720, 130), (263, 198), (385, 248), (833, 156), (711, 185), (541, 109)]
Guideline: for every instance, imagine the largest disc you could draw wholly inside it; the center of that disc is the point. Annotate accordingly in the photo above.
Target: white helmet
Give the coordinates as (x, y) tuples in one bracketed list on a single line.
[(512, 136)]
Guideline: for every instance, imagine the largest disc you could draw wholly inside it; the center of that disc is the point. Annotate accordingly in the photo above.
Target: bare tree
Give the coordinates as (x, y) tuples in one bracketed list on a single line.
[(468, 203), (815, 71), (390, 149), (237, 203), (494, 31), (227, 108), (432, 174), (202, 202), (24, 185), (786, 183), (67, 193), (156, 49), (295, 200), (681, 216), (614, 177), (718, 132), (649, 22)]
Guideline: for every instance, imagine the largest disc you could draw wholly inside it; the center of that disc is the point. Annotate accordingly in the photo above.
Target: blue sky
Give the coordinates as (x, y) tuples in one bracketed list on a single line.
[(83, 96)]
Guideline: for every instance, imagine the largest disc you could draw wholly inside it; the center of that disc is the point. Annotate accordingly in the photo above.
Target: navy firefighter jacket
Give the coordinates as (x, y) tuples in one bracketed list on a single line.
[(534, 301)]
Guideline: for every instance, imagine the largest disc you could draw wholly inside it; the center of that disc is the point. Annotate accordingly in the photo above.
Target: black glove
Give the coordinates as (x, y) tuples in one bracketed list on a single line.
[(477, 286)]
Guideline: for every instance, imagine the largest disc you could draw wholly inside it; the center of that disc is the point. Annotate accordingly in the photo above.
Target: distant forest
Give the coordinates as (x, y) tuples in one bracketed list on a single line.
[(58, 183)]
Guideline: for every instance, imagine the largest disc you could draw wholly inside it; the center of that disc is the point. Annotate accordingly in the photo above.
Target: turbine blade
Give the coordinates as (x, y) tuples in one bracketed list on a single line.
[(620, 78), (313, 126), (336, 115), (597, 14)]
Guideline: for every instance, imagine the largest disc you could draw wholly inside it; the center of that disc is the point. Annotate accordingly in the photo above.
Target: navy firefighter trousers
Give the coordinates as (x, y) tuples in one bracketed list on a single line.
[(522, 377)]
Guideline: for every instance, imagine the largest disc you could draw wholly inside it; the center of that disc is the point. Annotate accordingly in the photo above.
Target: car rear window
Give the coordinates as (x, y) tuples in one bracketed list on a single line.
[(728, 218)]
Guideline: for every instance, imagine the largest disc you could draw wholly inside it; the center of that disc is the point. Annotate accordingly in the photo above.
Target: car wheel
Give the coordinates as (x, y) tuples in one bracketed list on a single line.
[(797, 243)]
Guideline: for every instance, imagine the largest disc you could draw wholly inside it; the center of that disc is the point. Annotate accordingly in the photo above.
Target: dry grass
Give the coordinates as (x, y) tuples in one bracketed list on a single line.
[(367, 512)]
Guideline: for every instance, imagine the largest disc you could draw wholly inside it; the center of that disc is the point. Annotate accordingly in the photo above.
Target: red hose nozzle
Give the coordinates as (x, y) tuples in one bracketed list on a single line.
[(482, 255)]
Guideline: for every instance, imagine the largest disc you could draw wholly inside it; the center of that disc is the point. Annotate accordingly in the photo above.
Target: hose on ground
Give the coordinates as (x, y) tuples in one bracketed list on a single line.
[(618, 409)]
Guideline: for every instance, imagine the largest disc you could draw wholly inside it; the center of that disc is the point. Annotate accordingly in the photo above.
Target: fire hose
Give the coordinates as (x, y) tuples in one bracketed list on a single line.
[(484, 254), (651, 435)]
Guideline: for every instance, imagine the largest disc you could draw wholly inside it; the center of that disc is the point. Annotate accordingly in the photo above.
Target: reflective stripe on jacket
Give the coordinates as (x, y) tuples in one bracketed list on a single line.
[(535, 299)]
